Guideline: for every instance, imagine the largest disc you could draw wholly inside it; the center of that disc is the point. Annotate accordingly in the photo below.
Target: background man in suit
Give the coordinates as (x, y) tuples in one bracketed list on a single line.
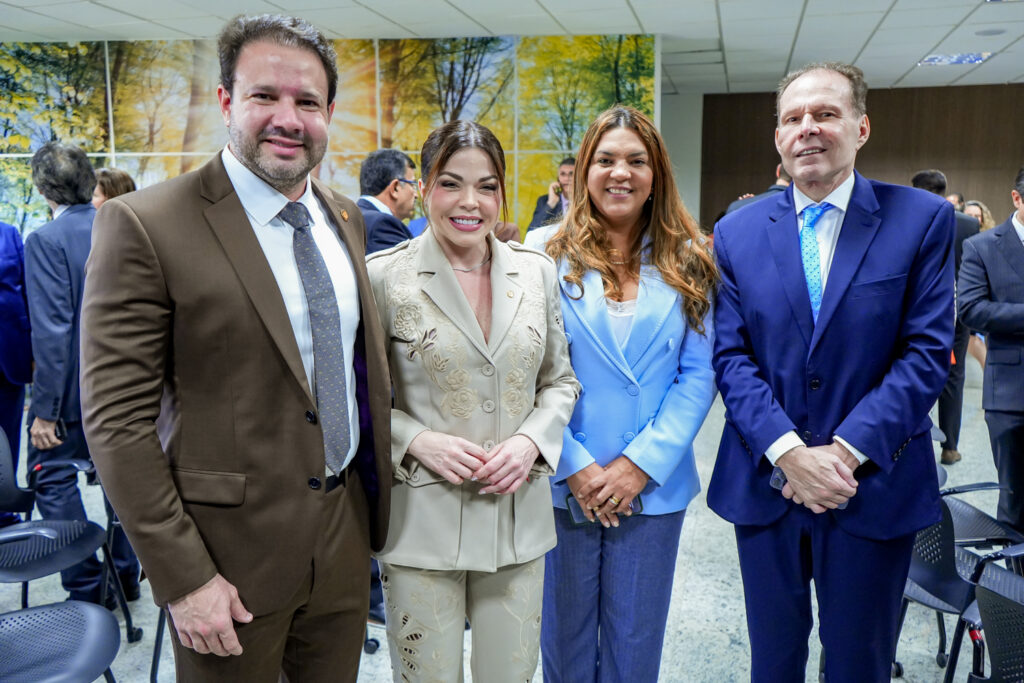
[(990, 298), (553, 205), (834, 325), (231, 367), (782, 181), (15, 344), (387, 183), (951, 400), (55, 257)]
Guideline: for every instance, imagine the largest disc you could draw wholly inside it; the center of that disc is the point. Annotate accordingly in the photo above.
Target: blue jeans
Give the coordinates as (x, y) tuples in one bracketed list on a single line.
[(606, 599), (58, 497)]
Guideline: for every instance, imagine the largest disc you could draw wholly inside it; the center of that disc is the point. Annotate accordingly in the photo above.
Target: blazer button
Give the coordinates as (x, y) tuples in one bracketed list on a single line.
[(487, 445), (806, 436), (632, 390), (311, 417), (415, 477), (488, 406), (628, 436), (815, 383), (579, 436), (487, 370), (314, 483)]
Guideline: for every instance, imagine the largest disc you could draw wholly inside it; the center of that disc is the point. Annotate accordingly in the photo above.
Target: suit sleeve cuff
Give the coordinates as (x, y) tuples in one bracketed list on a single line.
[(782, 444), (861, 458)]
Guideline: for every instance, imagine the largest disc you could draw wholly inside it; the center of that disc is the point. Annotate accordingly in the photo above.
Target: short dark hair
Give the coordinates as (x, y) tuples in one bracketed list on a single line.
[(1018, 184), (454, 136), (380, 168), (280, 30), (931, 179), (568, 161), (62, 173), (858, 86), (114, 182)]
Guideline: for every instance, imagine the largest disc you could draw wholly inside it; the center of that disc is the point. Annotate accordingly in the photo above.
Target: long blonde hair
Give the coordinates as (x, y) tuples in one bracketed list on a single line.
[(987, 222), (677, 248)]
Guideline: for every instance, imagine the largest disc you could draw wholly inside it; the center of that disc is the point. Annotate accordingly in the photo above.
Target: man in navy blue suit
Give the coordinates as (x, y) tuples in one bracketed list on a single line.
[(15, 344), (387, 185), (990, 298), (834, 323), (55, 256)]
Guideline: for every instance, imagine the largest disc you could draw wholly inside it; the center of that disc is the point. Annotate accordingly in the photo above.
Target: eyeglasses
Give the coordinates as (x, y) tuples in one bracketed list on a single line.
[(410, 182)]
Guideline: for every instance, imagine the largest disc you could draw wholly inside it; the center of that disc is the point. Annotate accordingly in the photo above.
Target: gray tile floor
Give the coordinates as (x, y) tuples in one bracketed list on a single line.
[(706, 635)]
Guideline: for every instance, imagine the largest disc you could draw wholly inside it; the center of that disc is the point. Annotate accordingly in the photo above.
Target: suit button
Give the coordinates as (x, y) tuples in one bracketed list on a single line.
[(487, 445), (632, 390), (415, 477), (628, 436), (314, 483), (487, 370), (806, 436), (579, 436), (311, 417), (815, 384), (488, 406)]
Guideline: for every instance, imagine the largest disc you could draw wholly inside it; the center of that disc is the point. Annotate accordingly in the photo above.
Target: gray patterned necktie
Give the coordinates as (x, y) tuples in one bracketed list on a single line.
[(325, 322)]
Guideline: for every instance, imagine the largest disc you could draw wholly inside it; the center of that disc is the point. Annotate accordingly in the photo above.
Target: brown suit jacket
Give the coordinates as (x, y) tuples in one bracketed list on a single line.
[(196, 406)]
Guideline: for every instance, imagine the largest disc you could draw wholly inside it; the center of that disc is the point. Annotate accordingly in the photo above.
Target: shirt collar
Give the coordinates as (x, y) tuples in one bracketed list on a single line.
[(381, 206), (1017, 225), (839, 197), (260, 200), (59, 209)]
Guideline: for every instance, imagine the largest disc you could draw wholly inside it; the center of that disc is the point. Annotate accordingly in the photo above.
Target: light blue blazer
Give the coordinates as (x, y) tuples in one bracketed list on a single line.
[(645, 401)]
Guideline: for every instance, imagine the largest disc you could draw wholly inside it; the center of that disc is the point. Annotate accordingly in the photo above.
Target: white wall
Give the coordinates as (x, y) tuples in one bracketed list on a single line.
[(682, 118)]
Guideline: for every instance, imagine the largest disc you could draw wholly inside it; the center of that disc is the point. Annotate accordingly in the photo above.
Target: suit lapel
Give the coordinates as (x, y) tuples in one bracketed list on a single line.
[(444, 290), (784, 241), (233, 230), (858, 231), (592, 312), (506, 293), (1010, 247), (655, 302)]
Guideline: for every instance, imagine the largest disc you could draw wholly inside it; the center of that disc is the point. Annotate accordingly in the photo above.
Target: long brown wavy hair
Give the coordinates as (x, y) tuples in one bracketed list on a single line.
[(677, 248)]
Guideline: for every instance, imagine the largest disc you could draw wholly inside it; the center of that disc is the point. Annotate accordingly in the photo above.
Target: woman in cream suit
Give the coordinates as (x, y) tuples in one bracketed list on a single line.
[(483, 391), (636, 284)]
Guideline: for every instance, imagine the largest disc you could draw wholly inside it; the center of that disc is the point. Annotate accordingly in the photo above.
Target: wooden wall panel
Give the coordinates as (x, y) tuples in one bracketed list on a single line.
[(973, 134)]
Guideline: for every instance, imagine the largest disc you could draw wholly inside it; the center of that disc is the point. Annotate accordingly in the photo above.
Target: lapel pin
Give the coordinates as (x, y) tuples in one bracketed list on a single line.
[(344, 215)]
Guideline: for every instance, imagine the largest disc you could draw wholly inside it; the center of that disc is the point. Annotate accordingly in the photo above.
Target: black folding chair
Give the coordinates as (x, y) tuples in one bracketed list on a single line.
[(1000, 599)]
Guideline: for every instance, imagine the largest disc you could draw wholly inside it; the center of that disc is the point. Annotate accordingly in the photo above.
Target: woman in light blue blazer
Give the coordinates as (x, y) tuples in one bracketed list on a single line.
[(636, 284)]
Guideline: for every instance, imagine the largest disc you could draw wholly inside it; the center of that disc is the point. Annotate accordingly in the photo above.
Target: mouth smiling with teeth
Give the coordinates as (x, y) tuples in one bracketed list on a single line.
[(466, 223), (807, 152)]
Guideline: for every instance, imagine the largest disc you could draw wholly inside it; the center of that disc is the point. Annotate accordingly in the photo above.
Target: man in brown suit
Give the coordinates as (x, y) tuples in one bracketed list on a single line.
[(235, 391)]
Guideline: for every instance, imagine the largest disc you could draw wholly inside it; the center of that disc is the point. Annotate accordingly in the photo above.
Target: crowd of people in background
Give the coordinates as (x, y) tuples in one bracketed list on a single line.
[(276, 382)]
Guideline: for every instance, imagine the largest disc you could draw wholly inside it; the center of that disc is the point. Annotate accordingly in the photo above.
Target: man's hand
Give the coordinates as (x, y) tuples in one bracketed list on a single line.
[(505, 231), (205, 618), (453, 457), (44, 434), (508, 465), (817, 477), (554, 194)]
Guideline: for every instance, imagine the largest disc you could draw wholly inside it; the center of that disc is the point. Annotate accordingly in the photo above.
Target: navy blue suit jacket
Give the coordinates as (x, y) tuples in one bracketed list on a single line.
[(55, 256), (868, 371), (383, 230), (990, 298), (15, 343)]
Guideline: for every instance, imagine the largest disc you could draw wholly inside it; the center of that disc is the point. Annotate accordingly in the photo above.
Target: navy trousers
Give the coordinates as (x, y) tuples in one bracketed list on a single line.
[(859, 585), (606, 599), (951, 400), (1006, 433), (58, 497)]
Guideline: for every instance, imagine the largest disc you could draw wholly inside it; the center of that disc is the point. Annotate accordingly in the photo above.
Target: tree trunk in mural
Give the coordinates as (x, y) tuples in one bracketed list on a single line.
[(196, 98), (458, 66)]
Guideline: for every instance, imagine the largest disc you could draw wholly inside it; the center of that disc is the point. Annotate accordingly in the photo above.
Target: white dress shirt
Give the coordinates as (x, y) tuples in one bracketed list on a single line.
[(381, 206), (1018, 226), (262, 203), (827, 231)]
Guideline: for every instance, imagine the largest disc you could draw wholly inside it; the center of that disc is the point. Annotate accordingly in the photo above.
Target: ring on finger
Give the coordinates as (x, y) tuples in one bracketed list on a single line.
[(614, 501)]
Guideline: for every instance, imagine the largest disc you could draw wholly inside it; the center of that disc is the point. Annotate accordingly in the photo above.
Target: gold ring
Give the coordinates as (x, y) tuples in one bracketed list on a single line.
[(614, 500)]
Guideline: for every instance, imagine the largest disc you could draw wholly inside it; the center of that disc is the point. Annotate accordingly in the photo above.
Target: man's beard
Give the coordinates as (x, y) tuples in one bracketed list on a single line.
[(283, 176)]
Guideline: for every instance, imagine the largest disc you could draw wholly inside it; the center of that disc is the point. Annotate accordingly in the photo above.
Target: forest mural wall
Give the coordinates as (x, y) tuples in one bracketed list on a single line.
[(150, 108)]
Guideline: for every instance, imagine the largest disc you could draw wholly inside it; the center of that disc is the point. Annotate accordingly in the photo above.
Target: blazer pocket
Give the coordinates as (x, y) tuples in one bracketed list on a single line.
[(209, 488), (422, 476), (1003, 356), (888, 285)]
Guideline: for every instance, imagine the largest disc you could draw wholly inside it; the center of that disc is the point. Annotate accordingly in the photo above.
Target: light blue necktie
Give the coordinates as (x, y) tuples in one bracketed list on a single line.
[(810, 255), (325, 322)]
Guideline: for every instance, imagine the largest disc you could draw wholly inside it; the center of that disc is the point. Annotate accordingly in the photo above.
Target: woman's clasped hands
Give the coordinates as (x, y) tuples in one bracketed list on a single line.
[(604, 493), (503, 469)]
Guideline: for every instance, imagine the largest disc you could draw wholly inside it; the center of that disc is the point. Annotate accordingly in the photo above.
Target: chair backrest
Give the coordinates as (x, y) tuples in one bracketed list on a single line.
[(1001, 604), (12, 498), (933, 563)]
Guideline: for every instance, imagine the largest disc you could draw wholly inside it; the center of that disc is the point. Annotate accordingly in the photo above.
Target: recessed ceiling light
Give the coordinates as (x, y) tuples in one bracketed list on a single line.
[(963, 58), (990, 32)]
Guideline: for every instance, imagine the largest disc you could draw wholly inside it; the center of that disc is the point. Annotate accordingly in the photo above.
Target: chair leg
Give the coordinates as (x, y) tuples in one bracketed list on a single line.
[(109, 577), (154, 667), (24, 595), (896, 666), (954, 651), (108, 676), (978, 641), (941, 658)]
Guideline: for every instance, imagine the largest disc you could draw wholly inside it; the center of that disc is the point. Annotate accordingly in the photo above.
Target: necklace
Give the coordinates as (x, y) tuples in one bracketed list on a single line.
[(471, 269), (613, 253)]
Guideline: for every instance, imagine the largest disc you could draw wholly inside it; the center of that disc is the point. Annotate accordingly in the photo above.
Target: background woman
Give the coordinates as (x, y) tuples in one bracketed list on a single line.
[(636, 283), (483, 391), (110, 183), (979, 211)]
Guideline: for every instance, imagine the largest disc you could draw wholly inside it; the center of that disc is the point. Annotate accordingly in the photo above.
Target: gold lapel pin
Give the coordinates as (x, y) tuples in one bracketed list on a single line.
[(344, 215)]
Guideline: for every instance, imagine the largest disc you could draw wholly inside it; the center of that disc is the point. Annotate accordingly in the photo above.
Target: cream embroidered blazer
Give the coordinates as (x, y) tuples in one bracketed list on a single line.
[(448, 379)]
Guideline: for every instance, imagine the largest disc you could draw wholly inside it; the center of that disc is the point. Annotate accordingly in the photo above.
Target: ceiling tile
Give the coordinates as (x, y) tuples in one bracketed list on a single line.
[(156, 9), (965, 38), (747, 10), (143, 30), (701, 39), (830, 8), (998, 11)]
